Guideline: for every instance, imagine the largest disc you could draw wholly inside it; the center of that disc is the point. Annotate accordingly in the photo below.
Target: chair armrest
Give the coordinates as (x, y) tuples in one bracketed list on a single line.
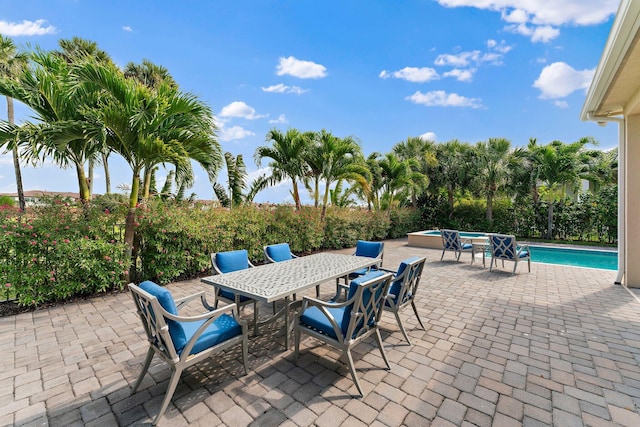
[(323, 306), (387, 270), (182, 301), (521, 248)]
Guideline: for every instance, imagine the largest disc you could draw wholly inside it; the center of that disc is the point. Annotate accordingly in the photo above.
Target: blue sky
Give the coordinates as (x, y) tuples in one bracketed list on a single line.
[(380, 71)]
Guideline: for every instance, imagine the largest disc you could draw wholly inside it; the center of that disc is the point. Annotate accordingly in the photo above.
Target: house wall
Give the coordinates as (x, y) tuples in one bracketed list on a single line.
[(631, 221)]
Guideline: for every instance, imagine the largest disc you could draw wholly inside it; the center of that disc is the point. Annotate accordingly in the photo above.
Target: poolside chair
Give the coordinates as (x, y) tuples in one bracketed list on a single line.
[(227, 262), (346, 324), (183, 341), (403, 289), (451, 241), (504, 247), (281, 252), (366, 249)]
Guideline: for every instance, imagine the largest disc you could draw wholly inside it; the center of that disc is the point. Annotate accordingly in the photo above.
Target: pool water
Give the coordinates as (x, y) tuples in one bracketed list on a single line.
[(606, 260), (463, 234)]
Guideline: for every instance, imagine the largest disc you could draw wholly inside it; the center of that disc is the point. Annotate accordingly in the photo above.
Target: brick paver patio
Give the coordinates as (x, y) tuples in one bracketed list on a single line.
[(559, 346)]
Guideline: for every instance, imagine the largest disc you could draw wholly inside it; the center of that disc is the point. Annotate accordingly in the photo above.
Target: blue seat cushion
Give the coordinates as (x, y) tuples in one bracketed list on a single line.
[(232, 260), (466, 246), (315, 319), (220, 330), (396, 285), (362, 271), (523, 254), (368, 249), (279, 252), (231, 296)]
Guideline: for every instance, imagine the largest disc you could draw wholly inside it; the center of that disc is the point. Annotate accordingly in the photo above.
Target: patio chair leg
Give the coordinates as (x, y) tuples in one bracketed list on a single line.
[(515, 265), (255, 318), (296, 345), (245, 353), (173, 382), (415, 310), (145, 368), (381, 347), (347, 354), (529, 262), (459, 253), (318, 291), (404, 332)]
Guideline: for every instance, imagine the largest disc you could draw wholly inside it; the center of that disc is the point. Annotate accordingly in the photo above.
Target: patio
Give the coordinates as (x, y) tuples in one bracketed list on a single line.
[(559, 346)]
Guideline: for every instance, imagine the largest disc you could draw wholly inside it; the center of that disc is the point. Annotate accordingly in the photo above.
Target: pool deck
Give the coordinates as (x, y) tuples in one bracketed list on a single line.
[(559, 346)]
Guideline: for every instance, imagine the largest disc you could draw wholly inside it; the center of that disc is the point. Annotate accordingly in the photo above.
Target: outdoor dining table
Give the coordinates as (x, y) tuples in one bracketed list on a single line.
[(480, 244), (281, 280)]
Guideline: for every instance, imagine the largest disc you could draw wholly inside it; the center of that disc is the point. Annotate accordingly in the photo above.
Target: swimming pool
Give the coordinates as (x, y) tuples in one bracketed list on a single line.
[(591, 258)]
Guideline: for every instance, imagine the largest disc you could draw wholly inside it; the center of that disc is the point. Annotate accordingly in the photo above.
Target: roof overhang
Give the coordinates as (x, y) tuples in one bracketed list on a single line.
[(615, 88)]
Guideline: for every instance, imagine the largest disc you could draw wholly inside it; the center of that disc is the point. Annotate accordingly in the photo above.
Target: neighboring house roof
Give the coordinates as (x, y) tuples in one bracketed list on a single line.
[(615, 87)]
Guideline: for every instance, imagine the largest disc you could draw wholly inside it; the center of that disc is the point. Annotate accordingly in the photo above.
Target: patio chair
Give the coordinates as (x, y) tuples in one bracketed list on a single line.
[(227, 262), (403, 289), (183, 341), (282, 252), (366, 249), (451, 241), (346, 324), (504, 247)]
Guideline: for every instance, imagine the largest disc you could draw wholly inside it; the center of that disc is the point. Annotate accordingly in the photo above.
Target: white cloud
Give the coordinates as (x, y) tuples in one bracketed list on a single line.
[(461, 75), (38, 27), (412, 74), (240, 109), (429, 136), (464, 59), (501, 47), (301, 69), (559, 80), (561, 104), (282, 88), (233, 133), (127, 28), (539, 19), (281, 119), (440, 98)]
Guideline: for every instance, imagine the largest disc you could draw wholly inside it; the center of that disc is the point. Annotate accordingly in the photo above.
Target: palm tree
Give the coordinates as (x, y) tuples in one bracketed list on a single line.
[(396, 175), (341, 160), (151, 127), (492, 168), (453, 169), (236, 183), (66, 127), (287, 158), (560, 165), (12, 63), (421, 155)]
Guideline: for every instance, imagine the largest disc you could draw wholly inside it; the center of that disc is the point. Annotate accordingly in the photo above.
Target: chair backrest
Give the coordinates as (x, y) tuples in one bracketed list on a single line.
[(369, 249), (406, 280), (368, 294), (151, 301), (278, 253), (226, 262), (503, 246), (451, 239)]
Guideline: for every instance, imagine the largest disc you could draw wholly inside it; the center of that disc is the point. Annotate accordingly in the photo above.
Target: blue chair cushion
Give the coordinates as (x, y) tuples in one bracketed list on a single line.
[(396, 285), (353, 286), (220, 330), (231, 296), (368, 249), (524, 254), (315, 319), (466, 246), (232, 260), (279, 252), (166, 301), (362, 271)]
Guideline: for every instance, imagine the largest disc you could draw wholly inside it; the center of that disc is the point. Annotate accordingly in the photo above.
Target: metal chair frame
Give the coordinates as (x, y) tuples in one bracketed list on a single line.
[(505, 247)]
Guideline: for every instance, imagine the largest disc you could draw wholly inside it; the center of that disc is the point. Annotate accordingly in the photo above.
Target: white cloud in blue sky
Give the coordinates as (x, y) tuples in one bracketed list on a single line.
[(282, 88), (39, 27), (412, 74), (439, 98), (559, 80), (240, 109), (127, 28), (300, 68)]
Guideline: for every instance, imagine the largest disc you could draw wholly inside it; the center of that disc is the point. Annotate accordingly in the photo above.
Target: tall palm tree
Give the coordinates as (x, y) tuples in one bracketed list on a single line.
[(234, 195), (341, 160), (492, 168), (151, 127), (12, 62), (287, 158), (66, 128), (396, 175), (452, 172), (421, 154)]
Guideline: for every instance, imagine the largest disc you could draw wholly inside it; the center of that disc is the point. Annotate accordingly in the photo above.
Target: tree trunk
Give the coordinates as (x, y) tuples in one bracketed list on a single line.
[(83, 185), (16, 159), (129, 228), (296, 196), (325, 201), (490, 208), (107, 176), (90, 179), (550, 221)]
